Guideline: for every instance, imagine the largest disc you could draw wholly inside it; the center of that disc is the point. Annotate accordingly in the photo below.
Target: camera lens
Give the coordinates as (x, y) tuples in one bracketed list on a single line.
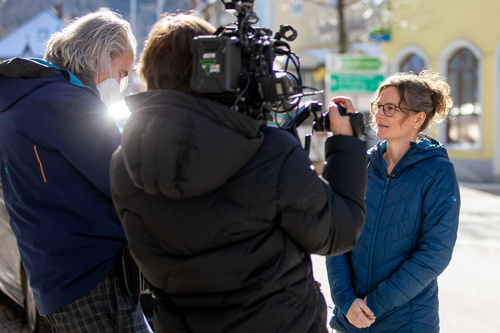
[(322, 122)]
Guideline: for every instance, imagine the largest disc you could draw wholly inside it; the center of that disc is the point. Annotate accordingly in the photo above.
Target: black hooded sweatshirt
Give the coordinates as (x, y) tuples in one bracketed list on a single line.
[(222, 213)]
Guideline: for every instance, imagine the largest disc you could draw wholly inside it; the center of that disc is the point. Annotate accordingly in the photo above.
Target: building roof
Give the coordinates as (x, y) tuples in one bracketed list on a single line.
[(30, 38)]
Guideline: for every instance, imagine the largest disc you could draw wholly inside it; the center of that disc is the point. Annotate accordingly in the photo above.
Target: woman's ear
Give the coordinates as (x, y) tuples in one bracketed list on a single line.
[(419, 120)]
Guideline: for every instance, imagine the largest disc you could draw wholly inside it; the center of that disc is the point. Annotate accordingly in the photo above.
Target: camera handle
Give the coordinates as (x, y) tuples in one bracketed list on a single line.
[(307, 143)]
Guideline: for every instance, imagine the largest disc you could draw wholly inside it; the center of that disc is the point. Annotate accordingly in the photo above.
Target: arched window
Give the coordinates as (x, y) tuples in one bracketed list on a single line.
[(463, 126), (412, 63)]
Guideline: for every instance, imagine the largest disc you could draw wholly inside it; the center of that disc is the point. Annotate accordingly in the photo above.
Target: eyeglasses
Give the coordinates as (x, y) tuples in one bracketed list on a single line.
[(388, 109)]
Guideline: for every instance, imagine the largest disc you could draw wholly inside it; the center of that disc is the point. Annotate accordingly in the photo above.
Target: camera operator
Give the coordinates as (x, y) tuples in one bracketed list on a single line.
[(221, 211)]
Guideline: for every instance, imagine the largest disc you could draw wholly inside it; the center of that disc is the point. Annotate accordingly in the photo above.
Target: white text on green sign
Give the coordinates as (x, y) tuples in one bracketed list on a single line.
[(360, 63), (365, 83)]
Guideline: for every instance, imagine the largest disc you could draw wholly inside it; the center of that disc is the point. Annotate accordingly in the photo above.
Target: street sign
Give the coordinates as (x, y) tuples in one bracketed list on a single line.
[(354, 63), (360, 63), (353, 82), (354, 74)]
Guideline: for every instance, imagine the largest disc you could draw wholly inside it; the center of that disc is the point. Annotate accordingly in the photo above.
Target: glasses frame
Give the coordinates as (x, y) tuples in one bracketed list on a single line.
[(375, 106)]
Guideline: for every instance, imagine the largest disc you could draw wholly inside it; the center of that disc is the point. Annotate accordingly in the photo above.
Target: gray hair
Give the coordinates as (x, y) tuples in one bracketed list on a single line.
[(87, 45)]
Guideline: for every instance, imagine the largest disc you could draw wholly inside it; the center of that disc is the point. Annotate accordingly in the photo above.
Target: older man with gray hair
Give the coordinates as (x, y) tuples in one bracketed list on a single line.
[(56, 142)]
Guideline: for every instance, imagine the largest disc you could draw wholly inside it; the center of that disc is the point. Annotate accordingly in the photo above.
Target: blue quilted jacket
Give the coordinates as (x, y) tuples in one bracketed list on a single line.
[(407, 242)]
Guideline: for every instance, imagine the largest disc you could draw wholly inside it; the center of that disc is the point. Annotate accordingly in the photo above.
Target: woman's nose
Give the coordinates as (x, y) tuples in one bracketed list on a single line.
[(380, 112)]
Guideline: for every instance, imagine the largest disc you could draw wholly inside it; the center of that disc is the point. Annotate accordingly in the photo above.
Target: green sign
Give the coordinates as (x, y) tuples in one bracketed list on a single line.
[(363, 83), (360, 63)]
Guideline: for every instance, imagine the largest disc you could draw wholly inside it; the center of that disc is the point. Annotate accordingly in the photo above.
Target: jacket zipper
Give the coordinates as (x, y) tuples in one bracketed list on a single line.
[(375, 232)]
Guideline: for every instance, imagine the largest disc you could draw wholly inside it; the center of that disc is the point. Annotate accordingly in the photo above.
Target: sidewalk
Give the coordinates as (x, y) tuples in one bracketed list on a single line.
[(470, 286)]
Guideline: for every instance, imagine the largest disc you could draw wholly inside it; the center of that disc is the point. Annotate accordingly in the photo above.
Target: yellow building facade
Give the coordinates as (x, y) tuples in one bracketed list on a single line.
[(461, 40)]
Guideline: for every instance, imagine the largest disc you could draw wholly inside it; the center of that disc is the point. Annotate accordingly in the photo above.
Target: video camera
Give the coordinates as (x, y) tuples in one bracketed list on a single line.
[(235, 67)]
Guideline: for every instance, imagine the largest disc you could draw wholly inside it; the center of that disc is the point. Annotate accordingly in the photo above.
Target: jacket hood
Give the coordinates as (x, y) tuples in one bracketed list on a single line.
[(425, 148), (19, 77), (180, 146)]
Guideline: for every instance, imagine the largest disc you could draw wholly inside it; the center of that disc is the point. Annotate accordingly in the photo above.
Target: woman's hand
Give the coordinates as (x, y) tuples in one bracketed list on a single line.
[(360, 315), (340, 125)]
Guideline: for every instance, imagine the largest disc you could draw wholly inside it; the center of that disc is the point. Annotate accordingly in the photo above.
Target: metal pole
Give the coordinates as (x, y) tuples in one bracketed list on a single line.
[(133, 16), (159, 9), (342, 28), (218, 9)]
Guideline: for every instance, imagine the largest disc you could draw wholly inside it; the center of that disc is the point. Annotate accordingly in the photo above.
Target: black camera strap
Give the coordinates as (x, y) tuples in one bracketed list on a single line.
[(358, 124)]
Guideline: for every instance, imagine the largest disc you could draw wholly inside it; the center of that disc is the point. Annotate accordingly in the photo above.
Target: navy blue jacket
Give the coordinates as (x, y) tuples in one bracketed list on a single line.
[(407, 241), (56, 142)]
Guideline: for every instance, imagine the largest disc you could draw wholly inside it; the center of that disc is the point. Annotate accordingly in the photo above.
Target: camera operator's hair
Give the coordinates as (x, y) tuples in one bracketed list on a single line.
[(88, 43), (167, 60), (426, 92)]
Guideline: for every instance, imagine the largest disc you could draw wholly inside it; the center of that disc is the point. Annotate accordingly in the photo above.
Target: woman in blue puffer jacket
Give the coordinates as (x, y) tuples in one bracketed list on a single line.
[(388, 283)]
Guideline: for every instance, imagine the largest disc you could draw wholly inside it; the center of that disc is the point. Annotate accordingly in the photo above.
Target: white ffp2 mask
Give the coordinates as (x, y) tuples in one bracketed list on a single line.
[(109, 90)]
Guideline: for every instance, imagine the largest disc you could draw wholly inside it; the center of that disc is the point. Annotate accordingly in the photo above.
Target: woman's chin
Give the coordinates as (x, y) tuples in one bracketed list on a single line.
[(380, 134)]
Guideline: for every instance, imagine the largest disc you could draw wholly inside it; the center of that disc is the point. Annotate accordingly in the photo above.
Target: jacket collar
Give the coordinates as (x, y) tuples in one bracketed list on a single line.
[(425, 148), (21, 76)]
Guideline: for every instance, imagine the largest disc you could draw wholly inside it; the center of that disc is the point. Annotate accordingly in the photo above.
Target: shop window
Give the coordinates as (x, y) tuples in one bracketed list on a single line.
[(463, 126)]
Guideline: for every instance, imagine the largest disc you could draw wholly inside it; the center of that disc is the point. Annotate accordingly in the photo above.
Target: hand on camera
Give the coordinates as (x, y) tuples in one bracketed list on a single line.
[(340, 125)]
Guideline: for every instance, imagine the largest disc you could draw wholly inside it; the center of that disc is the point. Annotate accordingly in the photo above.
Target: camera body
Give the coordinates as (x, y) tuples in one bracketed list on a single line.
[(321, 122), (235, 66)]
